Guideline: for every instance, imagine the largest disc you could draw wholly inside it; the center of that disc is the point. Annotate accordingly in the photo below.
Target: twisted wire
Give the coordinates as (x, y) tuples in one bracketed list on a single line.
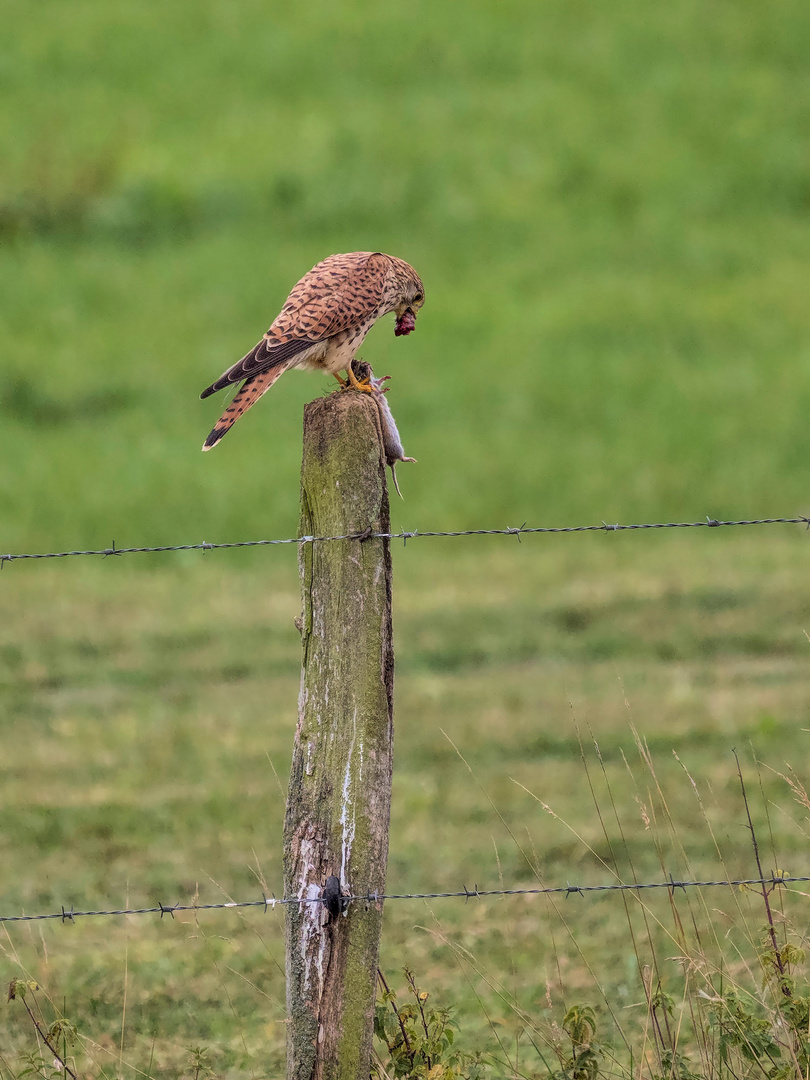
[(405, 535), (269, 902)]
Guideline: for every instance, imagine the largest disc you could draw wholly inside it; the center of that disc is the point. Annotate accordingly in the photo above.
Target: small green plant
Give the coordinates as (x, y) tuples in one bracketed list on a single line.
[(419, 1039), (580, 1056), (58, 1037), (199, 1062), (740, 1032)]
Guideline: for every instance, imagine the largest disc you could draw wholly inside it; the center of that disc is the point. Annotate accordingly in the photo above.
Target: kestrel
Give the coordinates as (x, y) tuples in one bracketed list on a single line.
[(322, 325)]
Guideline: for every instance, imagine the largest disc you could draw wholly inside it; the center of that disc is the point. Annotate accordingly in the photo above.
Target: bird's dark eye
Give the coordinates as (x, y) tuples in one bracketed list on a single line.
[(418, 298)]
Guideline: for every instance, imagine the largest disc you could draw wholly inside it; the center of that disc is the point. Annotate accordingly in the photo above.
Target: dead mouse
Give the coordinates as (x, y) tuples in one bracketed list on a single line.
[(392, 444)]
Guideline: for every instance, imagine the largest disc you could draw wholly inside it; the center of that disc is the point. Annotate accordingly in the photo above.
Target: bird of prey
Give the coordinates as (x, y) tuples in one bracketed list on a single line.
[(322, 325)]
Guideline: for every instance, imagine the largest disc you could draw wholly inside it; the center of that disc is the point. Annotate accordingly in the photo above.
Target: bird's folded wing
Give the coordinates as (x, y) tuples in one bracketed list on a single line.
[(262, 357), (341, 292)]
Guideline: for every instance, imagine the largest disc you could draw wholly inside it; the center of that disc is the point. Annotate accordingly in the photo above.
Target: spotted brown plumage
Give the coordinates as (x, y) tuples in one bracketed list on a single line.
[(322, 324)]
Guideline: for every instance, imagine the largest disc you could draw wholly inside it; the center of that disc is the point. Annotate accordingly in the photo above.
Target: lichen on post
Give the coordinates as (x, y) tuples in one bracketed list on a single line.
[(339, 799)]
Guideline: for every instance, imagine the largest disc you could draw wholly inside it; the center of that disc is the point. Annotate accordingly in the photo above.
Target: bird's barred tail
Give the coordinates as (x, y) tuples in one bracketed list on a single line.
[(250, 393)]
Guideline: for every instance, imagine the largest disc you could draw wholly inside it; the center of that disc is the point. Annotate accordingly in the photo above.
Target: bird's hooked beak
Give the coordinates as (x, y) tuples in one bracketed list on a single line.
[(406, 322)]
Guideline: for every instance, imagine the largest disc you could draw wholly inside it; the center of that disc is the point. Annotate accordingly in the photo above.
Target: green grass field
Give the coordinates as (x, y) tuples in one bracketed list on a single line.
[(610, 208)]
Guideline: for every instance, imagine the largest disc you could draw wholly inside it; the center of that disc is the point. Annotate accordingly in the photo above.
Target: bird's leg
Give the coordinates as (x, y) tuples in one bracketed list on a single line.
[(343, 385), (364, 385)]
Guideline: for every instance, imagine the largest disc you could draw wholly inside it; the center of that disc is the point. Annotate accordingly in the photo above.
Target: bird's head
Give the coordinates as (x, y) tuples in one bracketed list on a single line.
[(410, 297)]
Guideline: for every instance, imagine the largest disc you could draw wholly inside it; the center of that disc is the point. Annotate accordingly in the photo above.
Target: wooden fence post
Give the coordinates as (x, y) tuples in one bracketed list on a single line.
[(339, 799)]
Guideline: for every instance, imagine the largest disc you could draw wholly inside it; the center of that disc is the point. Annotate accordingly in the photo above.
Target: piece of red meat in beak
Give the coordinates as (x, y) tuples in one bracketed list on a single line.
[(405, 323)]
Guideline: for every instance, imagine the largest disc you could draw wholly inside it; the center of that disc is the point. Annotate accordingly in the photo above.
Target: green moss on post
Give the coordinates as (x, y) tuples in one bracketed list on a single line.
[(339, 799)]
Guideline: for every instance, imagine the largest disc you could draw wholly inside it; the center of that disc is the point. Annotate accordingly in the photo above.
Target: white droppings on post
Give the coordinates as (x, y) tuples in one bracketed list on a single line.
[(309, 863), (324, 946), (347, 805), (313, 943), (313, 935)]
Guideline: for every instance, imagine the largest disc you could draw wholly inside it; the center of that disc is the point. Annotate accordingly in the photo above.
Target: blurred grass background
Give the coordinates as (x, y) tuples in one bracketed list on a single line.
[(610, 208), (610, 211)]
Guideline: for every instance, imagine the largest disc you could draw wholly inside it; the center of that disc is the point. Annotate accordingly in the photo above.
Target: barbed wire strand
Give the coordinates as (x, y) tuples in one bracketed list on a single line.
[(405, 536), (466, 894)]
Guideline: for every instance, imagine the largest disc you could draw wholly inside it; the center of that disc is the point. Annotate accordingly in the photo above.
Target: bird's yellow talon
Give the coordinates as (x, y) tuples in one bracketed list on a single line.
[(363, 385)]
